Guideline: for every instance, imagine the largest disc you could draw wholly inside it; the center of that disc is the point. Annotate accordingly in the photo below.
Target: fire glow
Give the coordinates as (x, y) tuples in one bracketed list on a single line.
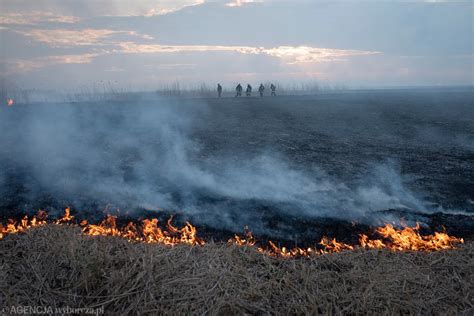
[(149, 231)]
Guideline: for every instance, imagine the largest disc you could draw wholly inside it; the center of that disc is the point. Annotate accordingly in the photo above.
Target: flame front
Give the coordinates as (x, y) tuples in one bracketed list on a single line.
[(13, 227), (248, 240), (409, 238), (149, 231)]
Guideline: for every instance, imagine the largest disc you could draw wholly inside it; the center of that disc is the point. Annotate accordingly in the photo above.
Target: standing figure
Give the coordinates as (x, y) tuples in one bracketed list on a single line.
[(273, 88), (238, 90), (248, 92), (219, 90), (261, 89)]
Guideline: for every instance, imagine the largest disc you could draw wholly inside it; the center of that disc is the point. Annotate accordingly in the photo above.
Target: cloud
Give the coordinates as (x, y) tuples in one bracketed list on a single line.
[(170, 66), (289, 54), (131, 47), (28, 10), (171, 59), (70, 38), (163, 9), (306, 54), (36, 17), (239, 3), (23, 66), (62, 37), (301, 39)]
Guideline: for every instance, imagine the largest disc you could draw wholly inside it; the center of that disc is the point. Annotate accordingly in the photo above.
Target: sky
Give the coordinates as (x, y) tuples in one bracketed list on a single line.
[(145, 44)]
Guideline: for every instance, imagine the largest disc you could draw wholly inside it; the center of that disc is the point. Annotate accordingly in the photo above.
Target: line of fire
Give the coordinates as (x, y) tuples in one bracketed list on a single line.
[(149, 231)]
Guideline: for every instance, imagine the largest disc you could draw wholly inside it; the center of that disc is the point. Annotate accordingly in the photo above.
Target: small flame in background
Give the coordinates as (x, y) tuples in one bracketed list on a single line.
[(149, 231), (10, 102)]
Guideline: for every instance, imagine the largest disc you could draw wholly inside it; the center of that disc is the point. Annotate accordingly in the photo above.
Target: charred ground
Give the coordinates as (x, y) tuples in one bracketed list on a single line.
[(426, 136)]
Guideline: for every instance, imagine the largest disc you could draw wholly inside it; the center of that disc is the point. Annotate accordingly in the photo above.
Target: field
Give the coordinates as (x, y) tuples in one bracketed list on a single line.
[(291, 168), (288, 166), (56, 266)]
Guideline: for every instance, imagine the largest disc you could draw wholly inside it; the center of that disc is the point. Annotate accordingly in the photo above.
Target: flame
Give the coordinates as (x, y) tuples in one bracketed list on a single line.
[(13, 227), (248, 240), (150, 231), (328, 246), (409, 238), (406, 239), (147, 232), (66, 217), (332, 245), (276, 251), (10, 102)]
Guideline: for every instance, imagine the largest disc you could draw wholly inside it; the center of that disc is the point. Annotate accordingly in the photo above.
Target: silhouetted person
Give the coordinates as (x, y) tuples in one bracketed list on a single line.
[(238, 90), (219, 90), (248, 92), (261, 89), (273, 88)]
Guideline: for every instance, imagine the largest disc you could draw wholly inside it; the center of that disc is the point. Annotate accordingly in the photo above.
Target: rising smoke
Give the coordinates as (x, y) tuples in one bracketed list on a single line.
[(143, 154)]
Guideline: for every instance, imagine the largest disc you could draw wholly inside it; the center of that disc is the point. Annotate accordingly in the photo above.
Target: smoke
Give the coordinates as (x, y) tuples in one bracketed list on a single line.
[(145, 154)]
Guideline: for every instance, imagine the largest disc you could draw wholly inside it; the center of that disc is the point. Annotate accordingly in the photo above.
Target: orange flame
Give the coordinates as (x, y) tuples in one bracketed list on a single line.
[(10, 102), (248, 240), (149, 231), (409, 238), (406, 239), (13, 227), (332, 245), (283, 252), (67, 218)]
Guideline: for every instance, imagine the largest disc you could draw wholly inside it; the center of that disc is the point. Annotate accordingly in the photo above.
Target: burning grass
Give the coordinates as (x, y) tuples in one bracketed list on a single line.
[(149, 231), (57, 265)]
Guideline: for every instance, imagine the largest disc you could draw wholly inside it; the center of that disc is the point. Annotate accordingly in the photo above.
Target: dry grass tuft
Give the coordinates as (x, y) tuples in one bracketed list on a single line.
[(57, 266)]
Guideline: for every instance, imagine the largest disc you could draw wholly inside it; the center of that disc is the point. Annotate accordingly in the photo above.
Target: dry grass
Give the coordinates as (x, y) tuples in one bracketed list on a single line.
[(57, 266)]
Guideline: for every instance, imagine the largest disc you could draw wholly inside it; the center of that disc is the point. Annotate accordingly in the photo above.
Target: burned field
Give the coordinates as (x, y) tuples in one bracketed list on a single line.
[(280, 166), (294, 170)]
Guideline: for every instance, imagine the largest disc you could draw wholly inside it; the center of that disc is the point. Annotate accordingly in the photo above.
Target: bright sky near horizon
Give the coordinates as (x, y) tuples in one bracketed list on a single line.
[(60, 44)]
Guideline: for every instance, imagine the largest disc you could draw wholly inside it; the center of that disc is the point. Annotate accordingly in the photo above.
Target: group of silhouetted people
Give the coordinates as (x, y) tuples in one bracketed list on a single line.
[(248, 91)]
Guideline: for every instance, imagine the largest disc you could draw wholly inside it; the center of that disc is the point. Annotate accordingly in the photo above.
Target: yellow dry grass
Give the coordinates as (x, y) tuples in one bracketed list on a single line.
[(57, 266)]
